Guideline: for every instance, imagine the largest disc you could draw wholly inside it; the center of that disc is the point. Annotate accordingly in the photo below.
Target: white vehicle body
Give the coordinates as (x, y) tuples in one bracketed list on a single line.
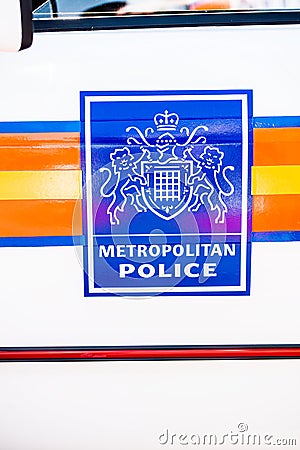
[(131, 404)]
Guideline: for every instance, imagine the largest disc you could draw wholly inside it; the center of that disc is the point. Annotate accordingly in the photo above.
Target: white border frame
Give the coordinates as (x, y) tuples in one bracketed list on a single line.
[(88, 100)]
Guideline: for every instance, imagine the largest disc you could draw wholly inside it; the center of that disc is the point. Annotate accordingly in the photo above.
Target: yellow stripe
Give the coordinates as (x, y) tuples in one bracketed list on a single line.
[(66, 184), (269, 180), (40, 185)]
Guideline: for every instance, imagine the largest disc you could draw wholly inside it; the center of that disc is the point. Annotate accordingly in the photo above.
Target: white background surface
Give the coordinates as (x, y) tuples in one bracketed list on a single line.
[(60, 65), (42, 304), (127, 405)]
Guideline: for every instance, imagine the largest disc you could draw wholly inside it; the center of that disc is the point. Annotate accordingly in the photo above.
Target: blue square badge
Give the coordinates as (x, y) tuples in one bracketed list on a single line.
[(166, 192)]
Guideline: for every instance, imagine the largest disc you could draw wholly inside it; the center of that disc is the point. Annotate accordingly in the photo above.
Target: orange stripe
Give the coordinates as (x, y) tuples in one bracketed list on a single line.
[(21, 218), (50, 151), (276, 146), (56, 218), (276, 213), (39, 151)]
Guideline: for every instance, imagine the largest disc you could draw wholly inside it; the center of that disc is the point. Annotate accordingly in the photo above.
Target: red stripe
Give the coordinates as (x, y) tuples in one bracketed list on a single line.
[(226, 353)]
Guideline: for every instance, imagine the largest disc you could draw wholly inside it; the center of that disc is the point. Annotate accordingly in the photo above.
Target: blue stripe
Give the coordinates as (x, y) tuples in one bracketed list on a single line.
[(42, 241), (276, 236), (67, 241), (74, 126), (276, 122), (40, 127)]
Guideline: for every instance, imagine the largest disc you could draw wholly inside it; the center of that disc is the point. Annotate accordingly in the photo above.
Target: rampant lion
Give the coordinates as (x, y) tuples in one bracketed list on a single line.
[(211, 182), (123, 182)]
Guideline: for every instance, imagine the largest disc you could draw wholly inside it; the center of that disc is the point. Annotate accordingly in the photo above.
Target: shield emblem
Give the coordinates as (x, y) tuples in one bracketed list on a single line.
[(167, 192)]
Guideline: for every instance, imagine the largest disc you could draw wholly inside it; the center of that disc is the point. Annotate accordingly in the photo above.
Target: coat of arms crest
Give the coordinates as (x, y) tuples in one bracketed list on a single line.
[(159, 170)]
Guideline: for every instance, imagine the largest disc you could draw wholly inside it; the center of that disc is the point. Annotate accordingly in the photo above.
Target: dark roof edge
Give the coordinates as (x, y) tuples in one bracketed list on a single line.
[(169, 20)]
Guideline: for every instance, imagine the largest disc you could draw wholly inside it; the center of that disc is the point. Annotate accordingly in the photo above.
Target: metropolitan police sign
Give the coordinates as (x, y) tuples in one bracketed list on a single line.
[(166, 192)]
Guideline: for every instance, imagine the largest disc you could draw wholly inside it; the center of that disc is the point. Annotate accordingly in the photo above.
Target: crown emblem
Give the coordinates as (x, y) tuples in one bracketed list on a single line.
[(166, 121)]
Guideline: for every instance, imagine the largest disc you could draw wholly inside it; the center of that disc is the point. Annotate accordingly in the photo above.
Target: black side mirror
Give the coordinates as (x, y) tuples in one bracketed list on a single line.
[(15, 25)]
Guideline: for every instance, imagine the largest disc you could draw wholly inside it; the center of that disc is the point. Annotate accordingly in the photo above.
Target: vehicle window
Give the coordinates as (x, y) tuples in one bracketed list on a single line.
[(63, 15), (84, 8)]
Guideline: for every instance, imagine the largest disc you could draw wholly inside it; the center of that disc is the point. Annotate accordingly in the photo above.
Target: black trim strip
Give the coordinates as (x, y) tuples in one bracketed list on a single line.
[(169, 20), (27, 28)]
